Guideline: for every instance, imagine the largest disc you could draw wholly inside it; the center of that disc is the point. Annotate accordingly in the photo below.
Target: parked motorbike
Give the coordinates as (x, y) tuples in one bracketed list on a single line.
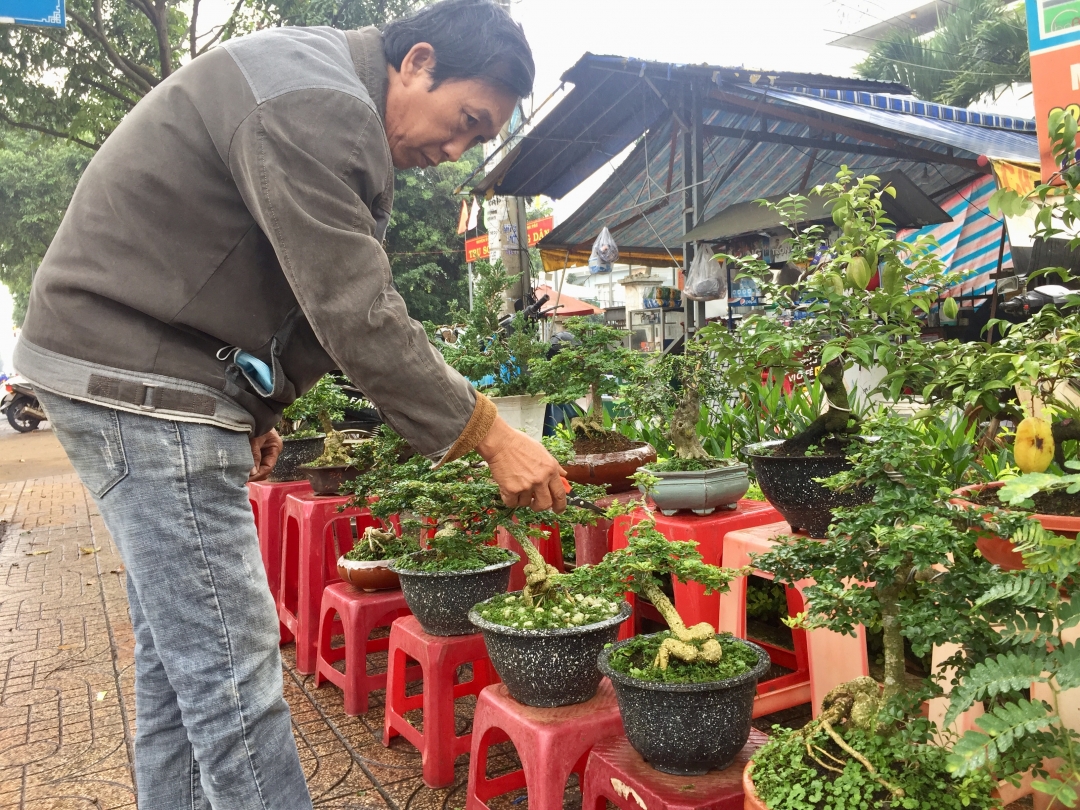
[(20, 403), (1027, 304)]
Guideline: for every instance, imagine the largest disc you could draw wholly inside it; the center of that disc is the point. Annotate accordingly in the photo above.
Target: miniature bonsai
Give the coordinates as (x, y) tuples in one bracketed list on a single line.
[(382, 544), (593, 365), (903, 564), (832, 318), (495, 355), (315, 410), (670, 391)]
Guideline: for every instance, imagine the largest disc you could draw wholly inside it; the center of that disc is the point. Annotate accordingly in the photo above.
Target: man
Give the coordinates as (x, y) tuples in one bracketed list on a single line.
[(237, 213)]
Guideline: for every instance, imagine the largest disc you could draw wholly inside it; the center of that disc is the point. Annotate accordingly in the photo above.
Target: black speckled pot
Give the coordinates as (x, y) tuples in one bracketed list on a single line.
[(295, 452), (441, 600), (687, 728), (788, 484), (549, 668)]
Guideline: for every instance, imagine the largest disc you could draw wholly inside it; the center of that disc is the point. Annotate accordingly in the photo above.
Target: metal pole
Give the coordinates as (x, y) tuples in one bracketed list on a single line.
[(470, 286), (697, 114), (994, 298), (688, 209)]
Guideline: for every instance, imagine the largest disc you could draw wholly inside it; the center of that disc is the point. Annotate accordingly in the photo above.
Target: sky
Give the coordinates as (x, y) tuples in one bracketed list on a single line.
[(788, 35)]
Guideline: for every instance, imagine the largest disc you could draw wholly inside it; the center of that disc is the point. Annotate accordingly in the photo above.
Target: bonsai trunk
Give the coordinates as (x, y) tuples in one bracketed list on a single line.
[(697, 643), (683, 431), (594, 418), (536, 571), (335, 453), (835, 420), (889, 599), (1063, 431)]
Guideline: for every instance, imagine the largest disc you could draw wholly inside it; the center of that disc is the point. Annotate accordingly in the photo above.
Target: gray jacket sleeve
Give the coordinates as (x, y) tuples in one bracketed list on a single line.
[(310, 165)]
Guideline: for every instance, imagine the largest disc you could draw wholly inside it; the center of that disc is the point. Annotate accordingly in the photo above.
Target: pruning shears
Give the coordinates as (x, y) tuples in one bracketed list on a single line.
[(581, 503)]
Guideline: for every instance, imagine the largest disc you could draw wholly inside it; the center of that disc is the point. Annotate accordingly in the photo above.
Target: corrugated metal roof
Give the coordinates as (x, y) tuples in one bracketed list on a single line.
[(632, 203), (993, 136)]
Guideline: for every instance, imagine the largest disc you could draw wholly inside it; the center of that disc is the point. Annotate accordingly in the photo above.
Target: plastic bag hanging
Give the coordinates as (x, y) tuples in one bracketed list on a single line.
[(706, 279), (604, 253)]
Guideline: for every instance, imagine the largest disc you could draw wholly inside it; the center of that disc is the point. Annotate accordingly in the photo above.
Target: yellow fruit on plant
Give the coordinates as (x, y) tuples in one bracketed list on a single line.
[(1034, 445)]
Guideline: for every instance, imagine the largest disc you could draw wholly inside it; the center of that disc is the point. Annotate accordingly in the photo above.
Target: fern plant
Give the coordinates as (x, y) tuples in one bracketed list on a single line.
[(1021, 687)]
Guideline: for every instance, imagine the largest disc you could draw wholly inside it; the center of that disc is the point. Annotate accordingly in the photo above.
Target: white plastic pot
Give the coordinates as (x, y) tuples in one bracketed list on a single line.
[(523, 413)]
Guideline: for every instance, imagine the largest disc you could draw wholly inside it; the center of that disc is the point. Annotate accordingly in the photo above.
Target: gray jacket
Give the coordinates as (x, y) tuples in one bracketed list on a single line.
[(242, 204)]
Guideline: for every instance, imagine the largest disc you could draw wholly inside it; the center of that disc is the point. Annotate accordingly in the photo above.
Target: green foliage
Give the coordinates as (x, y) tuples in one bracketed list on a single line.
[(454, 551), (425, 250), (644, 563), (1018, 491), (37, 178), (845, 325), (786, 776), (325, 400), (905, 563), (497, 360), (637, 658), (595, 364), (979, 46)]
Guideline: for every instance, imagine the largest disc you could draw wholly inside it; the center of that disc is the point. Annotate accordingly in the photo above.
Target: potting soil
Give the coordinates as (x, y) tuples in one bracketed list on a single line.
[(636, 660), (551, 612), (1046, 503), (610, 441)]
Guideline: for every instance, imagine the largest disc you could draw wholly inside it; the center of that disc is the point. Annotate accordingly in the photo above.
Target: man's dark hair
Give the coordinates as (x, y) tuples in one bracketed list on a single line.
[(473, 39)]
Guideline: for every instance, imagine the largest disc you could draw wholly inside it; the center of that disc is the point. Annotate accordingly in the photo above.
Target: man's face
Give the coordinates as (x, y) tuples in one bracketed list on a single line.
[(427, 127)]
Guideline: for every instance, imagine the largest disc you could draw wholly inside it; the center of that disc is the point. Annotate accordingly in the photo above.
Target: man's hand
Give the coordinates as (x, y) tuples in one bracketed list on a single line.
[(265, 450), (525, 471)]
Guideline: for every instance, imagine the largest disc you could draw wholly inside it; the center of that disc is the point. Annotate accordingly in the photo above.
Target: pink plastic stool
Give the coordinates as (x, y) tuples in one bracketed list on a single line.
[(831, 658), (551, 743), (549, 546), (616, 773), (359, 613), (314, 535), (267, 499), (439, 658)]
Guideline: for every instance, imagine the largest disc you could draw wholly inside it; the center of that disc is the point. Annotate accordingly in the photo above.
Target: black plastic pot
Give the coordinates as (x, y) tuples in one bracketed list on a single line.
[(788, 484), (295, 452), (687, 728), (441, 600), (549, 668), (328, 480)]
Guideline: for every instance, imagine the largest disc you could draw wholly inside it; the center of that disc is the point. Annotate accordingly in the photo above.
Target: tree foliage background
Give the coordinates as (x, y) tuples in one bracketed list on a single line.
[(979, 46), (63, 91)]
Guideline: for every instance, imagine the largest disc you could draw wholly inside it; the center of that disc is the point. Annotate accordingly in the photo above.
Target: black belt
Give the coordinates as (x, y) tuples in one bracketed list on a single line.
[(149, 396)]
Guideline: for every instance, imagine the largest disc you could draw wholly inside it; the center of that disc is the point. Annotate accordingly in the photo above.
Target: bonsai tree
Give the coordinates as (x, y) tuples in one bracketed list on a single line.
[(832, 318), (593, 365), (671, 391), (904, 564), (491, 352), (325, 403), (640, 568), (315, 410)]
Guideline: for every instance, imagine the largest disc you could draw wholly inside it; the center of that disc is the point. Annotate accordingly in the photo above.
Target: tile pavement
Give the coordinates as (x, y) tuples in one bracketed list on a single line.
[(66, 680)]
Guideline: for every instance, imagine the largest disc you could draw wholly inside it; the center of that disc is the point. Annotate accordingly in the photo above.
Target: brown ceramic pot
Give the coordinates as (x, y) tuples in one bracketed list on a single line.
[(612, 470), (328, 480), (368, 576), (1000, 551)]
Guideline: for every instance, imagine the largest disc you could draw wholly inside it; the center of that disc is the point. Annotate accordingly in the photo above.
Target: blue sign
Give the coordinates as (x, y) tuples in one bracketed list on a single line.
[(45, 13), (1051, 23)]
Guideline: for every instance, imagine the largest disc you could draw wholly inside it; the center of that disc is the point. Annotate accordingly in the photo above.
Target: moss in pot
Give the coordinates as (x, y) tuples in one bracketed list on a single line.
[(669, 392), (592, 363)]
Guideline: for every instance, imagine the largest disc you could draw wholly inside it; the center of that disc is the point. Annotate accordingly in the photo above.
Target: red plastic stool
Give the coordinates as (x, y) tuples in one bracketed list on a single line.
[(825, 660), (591, 543), (551, 743), (267, 499), (439, 658), (359, 613), (314, 534), (549, 546), (616, 773)]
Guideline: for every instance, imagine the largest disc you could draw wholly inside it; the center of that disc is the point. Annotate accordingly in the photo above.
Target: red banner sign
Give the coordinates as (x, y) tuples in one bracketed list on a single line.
[(476, 249)]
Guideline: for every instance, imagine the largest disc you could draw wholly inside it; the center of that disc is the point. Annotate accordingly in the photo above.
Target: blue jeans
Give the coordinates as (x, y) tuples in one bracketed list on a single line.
[(214, 730)]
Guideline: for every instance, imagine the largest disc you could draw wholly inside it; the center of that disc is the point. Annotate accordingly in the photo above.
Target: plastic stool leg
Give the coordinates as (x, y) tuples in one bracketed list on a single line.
[(439, 726)]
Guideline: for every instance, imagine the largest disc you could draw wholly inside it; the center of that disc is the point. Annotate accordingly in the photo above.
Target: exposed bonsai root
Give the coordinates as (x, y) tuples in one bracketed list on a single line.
[(697, 643), (710, 651), (335, 453), (854, 704), (376, 539)]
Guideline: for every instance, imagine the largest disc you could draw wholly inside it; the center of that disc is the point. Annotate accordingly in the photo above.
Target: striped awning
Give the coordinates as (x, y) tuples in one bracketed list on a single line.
[(969, 243)]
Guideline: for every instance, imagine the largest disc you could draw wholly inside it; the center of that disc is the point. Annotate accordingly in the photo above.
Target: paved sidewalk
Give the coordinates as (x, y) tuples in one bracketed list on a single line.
[(66, 679)]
